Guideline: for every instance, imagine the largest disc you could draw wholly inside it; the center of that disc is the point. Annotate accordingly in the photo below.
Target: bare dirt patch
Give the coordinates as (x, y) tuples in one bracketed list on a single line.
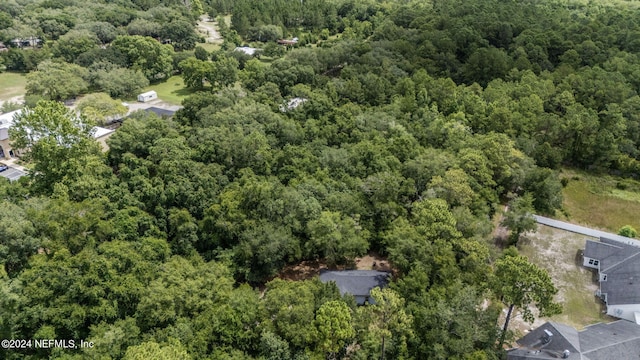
[(308, 269), (209, 29)]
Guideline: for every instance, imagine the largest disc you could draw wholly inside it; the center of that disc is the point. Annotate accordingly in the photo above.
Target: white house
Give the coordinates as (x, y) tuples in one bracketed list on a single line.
[(618, 265), (147, 96), (247, 50), (6, 120)]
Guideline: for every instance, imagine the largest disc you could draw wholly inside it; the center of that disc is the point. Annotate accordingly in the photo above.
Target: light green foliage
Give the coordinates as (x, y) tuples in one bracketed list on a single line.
[(628, 231), (152, 350), (100, 108), (333, 320), (519, 217), (454, 187), (118, 82), (52, 138), (57, 80), (291, 305), (424, 238), (183, 289)]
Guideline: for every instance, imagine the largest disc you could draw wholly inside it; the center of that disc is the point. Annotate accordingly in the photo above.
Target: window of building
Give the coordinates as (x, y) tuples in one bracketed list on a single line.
[(590, 261), (596, 262)]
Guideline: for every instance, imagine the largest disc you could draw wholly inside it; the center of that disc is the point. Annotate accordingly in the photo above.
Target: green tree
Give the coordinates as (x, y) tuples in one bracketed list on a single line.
[(333, 320), (57, 80), (152, 350), (224, 72), (628, 231), (181, 33), (100, 108), (74, 43), (53, 138), (18, 240), (118, 82), (196, 72), (519, 217), (390, 325), (520, 284), (338, 238), (147, 55)]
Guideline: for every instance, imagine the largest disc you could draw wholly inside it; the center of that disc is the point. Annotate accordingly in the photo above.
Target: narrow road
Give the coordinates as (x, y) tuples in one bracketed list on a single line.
[(584, 230)]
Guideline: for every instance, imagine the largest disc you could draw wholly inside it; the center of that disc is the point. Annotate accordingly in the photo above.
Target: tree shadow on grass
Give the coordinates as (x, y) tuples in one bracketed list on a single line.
[(183, 92)]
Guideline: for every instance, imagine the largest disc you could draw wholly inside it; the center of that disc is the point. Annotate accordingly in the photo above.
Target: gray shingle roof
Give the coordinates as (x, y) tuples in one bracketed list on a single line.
[(160, 112), (621, 263), (356, 282), (619, 340), (600, 250)]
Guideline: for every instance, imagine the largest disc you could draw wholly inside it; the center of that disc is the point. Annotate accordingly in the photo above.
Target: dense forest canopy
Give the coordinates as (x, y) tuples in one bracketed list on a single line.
[(419, 119)]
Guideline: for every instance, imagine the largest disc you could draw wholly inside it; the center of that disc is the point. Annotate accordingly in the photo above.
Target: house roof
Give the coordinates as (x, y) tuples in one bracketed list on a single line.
[(247, 50), (547, 342), (356, 282), (6, 119), (99, 132), (160, 111), (621, 263), (619, 340)]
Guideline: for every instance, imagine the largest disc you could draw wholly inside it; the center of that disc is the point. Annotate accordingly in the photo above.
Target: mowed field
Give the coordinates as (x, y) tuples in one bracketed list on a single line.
[(171, 91), (602, 202), (11, 85)]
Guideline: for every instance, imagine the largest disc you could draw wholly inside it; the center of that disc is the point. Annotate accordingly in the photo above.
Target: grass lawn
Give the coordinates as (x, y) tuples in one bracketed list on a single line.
[(12, 84), (604, 202), (209, 46), (172, 91), (557, 251)]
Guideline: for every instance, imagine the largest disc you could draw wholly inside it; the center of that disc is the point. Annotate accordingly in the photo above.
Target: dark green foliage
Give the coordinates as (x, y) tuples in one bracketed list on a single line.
[(400, 131)]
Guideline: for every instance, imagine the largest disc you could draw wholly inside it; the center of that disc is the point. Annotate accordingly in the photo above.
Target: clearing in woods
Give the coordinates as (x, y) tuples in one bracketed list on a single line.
[(12, 86), (560, 253)]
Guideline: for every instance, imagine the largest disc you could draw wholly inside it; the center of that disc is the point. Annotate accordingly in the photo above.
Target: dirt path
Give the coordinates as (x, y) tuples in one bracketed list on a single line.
[(209, 29)]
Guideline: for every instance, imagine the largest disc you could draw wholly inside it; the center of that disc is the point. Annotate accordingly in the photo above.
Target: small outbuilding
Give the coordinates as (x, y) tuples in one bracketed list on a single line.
[(147, 96), (358, 283), (247, 50)]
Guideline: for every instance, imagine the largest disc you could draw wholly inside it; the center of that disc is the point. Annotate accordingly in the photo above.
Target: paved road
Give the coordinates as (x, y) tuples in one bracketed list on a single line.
[(584, 230)]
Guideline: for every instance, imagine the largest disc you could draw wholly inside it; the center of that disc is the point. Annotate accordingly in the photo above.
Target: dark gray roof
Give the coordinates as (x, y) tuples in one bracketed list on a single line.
[(621, 263), (535, 345), (619, 340), (623, 281), (600, 250), (356, 282), (12, 174), (160, 111)]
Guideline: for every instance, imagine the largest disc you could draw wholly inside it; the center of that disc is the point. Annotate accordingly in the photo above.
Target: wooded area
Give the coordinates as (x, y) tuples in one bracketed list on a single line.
[(419, 119)]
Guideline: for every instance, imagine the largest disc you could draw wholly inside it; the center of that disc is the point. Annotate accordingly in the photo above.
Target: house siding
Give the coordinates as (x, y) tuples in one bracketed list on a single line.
[(625, 311)]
